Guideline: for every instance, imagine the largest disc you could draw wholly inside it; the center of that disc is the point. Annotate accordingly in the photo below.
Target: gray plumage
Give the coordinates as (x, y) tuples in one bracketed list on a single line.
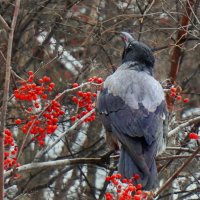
[(133, 111)]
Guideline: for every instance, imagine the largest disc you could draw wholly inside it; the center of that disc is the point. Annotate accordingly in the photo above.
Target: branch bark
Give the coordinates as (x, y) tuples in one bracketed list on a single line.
[(177, 172), (175, 157), (4, 24), (6, 95), (181, 38), (183, 125), (54, 164)]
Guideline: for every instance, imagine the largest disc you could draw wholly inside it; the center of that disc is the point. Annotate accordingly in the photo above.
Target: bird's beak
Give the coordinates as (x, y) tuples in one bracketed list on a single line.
[(127, 38)]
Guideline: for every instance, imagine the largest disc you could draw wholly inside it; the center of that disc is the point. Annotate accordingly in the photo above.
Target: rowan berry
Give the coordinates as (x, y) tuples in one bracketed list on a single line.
[(179, 97), (186, 100), (193, 136), (18, 121), (74, 85)]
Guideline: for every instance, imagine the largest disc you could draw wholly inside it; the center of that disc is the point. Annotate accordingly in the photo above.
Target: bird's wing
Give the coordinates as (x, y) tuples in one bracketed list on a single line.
[(132, 107), (133, 103)]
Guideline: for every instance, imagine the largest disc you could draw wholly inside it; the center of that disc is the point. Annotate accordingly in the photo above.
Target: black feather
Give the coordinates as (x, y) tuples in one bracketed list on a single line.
[(132, 109)]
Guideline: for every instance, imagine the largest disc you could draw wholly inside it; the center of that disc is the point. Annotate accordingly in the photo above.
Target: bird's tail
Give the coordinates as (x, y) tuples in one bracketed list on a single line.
[(127, 168)]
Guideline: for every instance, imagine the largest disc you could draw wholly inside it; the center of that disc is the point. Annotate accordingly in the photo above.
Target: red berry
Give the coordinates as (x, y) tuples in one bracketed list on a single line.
[(119, 176), (92, 118), (40, 80), (119, 190), (61, 112), (136, 176), (74, 99), (132, 188), (115, 182), (136, 197), (108, 178), (50, 89), (7, 132), (41, 142), (52, 85), (44, 96), (139, 192), (90, 79), (124, 180), (80, 93), (31, 77), (173, 89), (94, 94), (13, 152), (193, 136), (186, 100), (73, 118), (88, 94), (30, 73), (18, 121), (55, 120), (46, 79), (74, 85), (6, 154), (109, 196), (173, 94), (179, 97), (37, 105), (139, 186), (99, 80)]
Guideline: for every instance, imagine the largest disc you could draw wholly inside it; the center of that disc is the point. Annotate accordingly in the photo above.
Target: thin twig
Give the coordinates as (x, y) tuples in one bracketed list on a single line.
[(174, 157), (148, 8), (180, 149), (177, 172), (183, 125), (5, 25), (16, 75)]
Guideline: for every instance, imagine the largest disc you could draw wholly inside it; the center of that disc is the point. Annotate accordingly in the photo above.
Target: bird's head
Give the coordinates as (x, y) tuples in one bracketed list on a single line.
[(136, 51)]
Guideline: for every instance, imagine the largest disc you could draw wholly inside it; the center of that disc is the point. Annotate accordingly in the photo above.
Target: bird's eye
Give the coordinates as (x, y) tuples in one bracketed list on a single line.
[(129, 46)]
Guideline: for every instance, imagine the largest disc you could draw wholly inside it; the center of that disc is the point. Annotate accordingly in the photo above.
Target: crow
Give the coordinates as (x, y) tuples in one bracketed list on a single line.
[(133, 111)]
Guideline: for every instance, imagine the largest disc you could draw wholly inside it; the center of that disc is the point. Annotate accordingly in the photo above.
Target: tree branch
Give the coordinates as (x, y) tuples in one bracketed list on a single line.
[(174, 157), (177, 172), (183, 125), (6, 93), (54, 164), (176, 56), (4, 23)]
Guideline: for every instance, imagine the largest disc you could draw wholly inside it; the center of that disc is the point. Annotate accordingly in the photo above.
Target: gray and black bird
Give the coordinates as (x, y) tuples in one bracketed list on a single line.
[(133, 111)]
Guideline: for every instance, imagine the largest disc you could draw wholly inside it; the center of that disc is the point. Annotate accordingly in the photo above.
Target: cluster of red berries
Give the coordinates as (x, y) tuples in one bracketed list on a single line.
[(175, 93), (37, 94), (45, 124), (126, 189), (85, 101), (95, 79), (193, 136), (30, 91), (10, 152)]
